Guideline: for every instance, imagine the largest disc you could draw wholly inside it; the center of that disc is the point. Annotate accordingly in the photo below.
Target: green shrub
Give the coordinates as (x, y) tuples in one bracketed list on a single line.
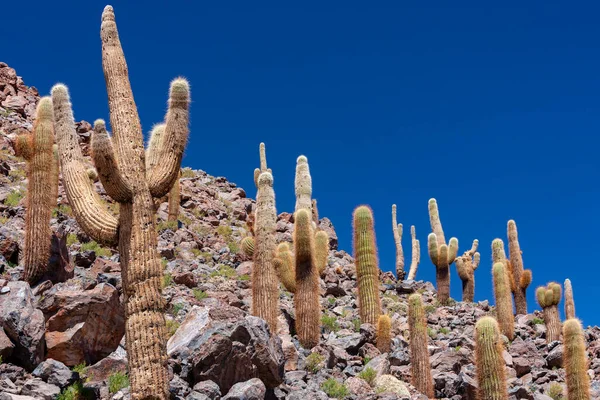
[(429, 309), (368, 375), (244, 277), (313, 361), (199, 294), (537, 321), (164, 225), (117, 381), (167, 280), (225, 271), (234, 248), (73, 392), (444, 331), (331, 300), (14, 198), (556, 391), (187, 172), (96, 248), (335, 389), (172, 326), (225, 231), (17, 174), (431, 332), (62, 209), (330, 323), (72, 239), (79, 367), (356, 324), (176, 308)]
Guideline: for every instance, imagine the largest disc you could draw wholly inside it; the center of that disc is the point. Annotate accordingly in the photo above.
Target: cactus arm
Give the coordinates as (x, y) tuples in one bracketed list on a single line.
[(321, 250), (172, 143), (416, 254), (452, 250), (303, 184), (106, 165), (432, 247), (569, 302), (436, 223), (154, 144), (175, 199), (520, 278), (504, 306), (91, 215), (23, 146), (263, 157), (397, 230)]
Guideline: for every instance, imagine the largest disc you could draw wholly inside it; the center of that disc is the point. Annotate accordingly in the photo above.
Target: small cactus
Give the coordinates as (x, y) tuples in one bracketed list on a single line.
[(576, 361), (303, 185), (548, 298), (466, 266), (321, 250), (384, 334), (419, 354), (367, 270), (174, 201), (247, 245), (504, 306), (522, 278), (397, 230), (285, 267), (442, 255), (569, 302), (416, 254), (491, 377)]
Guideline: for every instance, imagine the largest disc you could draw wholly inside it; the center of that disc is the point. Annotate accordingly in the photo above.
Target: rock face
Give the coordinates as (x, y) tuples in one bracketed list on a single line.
[(55, 373), (82, 325)]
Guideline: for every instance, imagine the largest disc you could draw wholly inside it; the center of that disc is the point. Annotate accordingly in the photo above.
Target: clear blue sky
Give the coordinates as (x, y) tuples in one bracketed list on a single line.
[(494, 111)]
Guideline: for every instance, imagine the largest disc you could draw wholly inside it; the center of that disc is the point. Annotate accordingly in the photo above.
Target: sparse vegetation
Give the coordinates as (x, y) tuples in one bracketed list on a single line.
[(75, 392), (432, 333), (165, 225), (556, 391), (117, 381), (356, 324), (176, 308), (96, 248), (313, 361), (444, 331), (167, 280), (72, 239), (199, 294), (368, 375), (335, 389), (330, 323), (62, 209), (14, 198), (79, 367), (537, 321), (225, 271), (172, 326), (187, 173)]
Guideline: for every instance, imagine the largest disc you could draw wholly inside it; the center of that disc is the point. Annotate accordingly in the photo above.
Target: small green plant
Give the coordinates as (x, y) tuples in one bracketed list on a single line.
[(165, 225), (431, 332), (176, 308), (199, 294), (167, 280), (14, 198), (79, 367), (457, 349), (244, 277), (164, 262), (225, 231), (356, 324), (444, 331), (72, 239), (96, 248), (3, 220), (172, 326), (335, 389), (0, 359), (185, 220), (17, 174), (537, 321), (225, 271), (313, 362), (187, 172), (331, 300), (117, 381), (330, 323), (234, 248), (75, 392), (366, 360), (556, 391), (368, 375), (62, 209), (429, 308)]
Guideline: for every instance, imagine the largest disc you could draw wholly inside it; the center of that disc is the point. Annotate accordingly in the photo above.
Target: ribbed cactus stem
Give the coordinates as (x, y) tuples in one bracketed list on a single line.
[(306, 298), (263, 157), (442, 255), (41, 193), (466, 266), (247, 246), (367, 270), (303, 184), (416, 254), (576, 361), (384, 333), (174, 201), (156, 135), (397, 229), (321, 250), (548, 298), (315, 213), (491, 377), (522, 278), (569, 302), (265, 290), (285, 267), (23, 146), (504, 306), (419, 354)]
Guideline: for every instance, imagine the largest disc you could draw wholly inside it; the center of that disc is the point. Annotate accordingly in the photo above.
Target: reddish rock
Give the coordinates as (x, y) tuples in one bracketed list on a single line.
[(6, 346), (185, 278)]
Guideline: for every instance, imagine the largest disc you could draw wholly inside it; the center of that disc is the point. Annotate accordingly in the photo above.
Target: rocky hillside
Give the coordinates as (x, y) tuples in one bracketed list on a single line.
[(63, 338)]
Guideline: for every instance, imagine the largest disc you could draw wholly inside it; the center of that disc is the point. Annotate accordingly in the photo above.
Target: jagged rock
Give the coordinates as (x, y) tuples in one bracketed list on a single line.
[(252, 389), (6, 346), (12, 396), (380, 365), (55, 373), (307, 394), (39, 389), (358, 386), (555, 357), (23, 324), (209, 389), (389, 383), (60, 268)]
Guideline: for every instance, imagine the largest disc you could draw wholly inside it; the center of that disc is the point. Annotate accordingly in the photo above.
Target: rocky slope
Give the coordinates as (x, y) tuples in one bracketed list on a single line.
[(66, 333)]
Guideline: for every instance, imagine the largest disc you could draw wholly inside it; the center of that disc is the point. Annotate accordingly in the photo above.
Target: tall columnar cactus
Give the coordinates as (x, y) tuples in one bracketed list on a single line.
[(419, 354), (41, 192), (321, 250), (367, 270), (263, 164), (285, 267), (576, 361), (174, 201), (521, 277), (303, 184), (548, 298), (397, 229), (416, 254), (442, 255), (466, 266), (384, 333), (306, 298), (504, 306), (491, 377), (569, 302), (120, 162), (315, 213)]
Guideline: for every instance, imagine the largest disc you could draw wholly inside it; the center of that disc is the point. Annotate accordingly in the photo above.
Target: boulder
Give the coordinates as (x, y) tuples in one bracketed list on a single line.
[(391, 384), (55, 373), (6, 346), (39, 389), (252, 389)]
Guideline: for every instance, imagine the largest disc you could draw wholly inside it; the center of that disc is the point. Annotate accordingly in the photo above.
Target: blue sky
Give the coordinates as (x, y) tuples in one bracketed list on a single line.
[(494, 111)]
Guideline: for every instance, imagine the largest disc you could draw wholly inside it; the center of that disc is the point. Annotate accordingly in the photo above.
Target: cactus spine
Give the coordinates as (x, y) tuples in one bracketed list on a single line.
[(23, 145), (416, 254), (397, 229), (174, 201), (576, 361), (303, 184), (569, 303), (504, 306), (367, 270), (247, 246), (306, 298), (491, 376), (41, 192), (321, 250), (522, 278), (419, 355), (548, 298), (285, 267), (466, 266), (384, 334), (125, 178), (442, 255)]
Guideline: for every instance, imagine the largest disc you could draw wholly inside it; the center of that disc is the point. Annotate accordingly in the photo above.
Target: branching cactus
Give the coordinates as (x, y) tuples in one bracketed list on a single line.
[(466, 266), (569, 302), (303, 184), (576, 361), (442, 255), (120, 162), (321, 250), (174, 201), (285, 267), (491, 377), (548, 298), (504, 306), (420, 368), (41, 191), (384, 333), (397, 229), (521, 277), (306, 298), (416, 254), (263, 164), (367, 270)]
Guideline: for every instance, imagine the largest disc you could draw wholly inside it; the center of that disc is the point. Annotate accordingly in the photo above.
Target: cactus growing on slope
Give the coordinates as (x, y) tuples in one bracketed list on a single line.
[(521, 278), (321, 250), (442, 255), (575, 361), (41, 191), (397, 229), (416, 254), (285, 267), (466, 266), (569, 302), (123, 173), (247, 244), (303, 185), (384, 333), (491, 377), (504, 306), (174, 200), (419, 354), (548, 298), (367, 270), (306, 298)]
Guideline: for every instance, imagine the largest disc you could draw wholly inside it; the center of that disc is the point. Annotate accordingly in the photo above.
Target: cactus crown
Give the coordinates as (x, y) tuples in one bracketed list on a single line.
[(549, 295)]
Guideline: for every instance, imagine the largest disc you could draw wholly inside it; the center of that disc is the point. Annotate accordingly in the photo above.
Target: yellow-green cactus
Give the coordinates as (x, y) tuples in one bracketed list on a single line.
[(247, 245), (576, 361), (504, 306), (491, 377), (384, 333), (569, 302), (321, 250), (419, 354), (285, 267), (548, 298), (521, 277), (442, 255), (466, 266)]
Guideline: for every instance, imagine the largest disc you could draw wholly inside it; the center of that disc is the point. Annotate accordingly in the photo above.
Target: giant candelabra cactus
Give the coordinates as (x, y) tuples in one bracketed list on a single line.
[(521, 278), (303, 184), (548, 298), (397, 230), (466, 266), (442, 255), (120, 162)]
